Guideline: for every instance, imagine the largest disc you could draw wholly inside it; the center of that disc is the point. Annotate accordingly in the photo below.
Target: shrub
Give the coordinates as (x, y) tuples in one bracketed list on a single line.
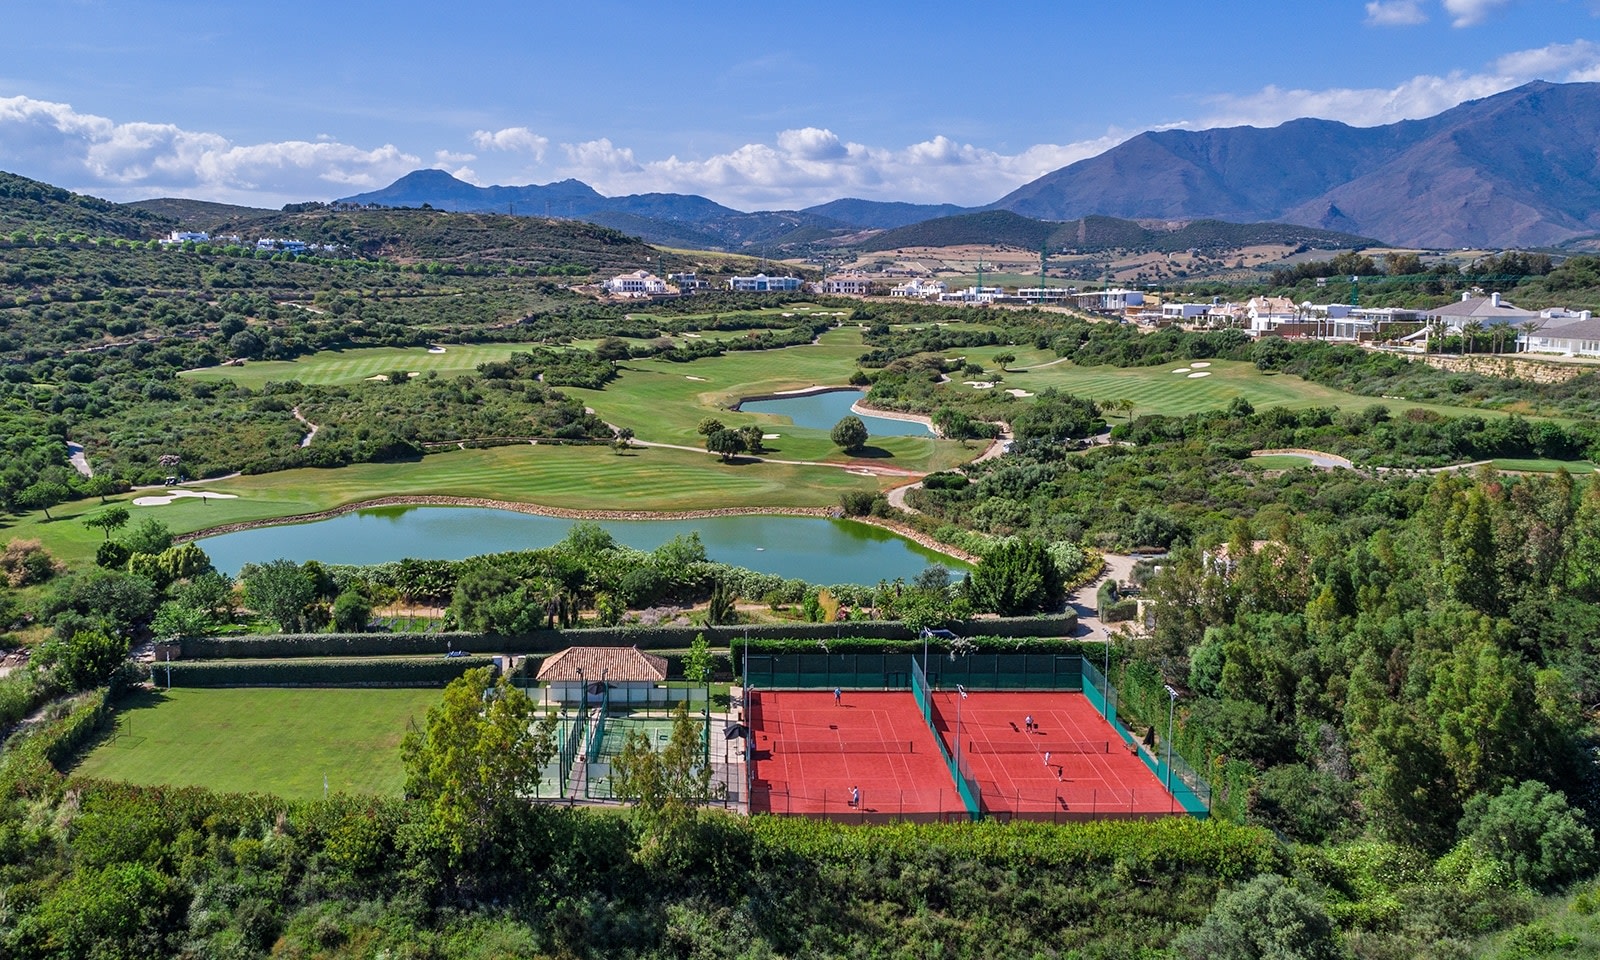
[(25, 562)]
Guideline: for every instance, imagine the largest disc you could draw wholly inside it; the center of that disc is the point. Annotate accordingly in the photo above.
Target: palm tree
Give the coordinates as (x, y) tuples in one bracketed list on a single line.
[(1469, 333)]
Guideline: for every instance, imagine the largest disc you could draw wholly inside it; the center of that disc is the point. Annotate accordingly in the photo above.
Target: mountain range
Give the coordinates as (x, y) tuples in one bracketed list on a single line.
[(1521, 168)]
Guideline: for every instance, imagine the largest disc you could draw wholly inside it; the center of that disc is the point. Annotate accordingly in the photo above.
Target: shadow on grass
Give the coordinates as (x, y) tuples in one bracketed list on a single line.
[(872, 453), (118, 730)]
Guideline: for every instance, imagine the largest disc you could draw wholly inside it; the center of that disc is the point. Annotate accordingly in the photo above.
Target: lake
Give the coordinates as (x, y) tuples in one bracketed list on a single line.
[(820, 411), (815, 549)]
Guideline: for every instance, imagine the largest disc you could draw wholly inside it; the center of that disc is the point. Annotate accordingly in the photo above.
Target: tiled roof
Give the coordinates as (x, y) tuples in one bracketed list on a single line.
[(1482, 308), (616, 663)]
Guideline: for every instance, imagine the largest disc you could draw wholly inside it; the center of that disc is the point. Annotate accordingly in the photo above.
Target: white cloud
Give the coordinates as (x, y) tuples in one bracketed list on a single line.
[(520, 139), (1421, 96), (1395, 13), (1555, 60), (813, 165), (54, 142), (1470, 13)]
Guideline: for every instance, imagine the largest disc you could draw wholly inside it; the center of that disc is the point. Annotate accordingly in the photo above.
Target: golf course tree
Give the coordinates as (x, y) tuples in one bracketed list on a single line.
[(727, 444), (954, 424), (109, 520), (613, 350), (1002, 359), (476, 758), (42, 496), (849, 434)]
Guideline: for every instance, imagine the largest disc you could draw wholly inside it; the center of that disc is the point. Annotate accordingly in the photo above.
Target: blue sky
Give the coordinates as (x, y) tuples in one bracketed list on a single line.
[(754, 105)]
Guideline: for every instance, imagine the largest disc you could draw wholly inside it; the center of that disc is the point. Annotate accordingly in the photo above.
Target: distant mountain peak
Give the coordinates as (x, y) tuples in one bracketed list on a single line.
[(1513, 169)]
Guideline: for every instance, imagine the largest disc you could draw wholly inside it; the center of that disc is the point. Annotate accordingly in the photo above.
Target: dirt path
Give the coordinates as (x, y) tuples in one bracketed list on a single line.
[(306, 440)]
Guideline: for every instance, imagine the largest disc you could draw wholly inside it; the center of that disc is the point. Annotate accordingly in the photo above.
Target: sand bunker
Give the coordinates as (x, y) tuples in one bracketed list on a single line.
[(1181, 370), (699, 379), (436, 349), (979, 384), (770, 436), (1196, 376), (1019, 393), (1200, 364), (381, 376), (161, 500)]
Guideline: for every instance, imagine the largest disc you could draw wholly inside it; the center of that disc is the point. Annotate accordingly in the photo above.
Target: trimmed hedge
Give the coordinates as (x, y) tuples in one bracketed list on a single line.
[(980, 644), (274, 646), (339, 672)]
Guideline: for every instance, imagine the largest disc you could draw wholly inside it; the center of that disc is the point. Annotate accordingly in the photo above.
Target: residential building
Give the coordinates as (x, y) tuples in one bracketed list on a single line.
[(1046, 294), (1185, 312), (275, 245), (1116, 301), (639, 283), (920, 289), (187, 236), (847, 284), (1571, 333), (761, 283), (973, 295), (687, 282), (1267, 314), (1484, 311)]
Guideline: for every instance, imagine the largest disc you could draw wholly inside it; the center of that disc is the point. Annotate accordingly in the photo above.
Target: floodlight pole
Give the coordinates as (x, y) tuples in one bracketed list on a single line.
[(583, 694), (1172, 702), (961, 694), (169, 669)]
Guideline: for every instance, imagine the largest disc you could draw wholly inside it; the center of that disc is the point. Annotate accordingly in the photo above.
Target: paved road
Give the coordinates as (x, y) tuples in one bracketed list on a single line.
[(79, 461), (1082, 600)]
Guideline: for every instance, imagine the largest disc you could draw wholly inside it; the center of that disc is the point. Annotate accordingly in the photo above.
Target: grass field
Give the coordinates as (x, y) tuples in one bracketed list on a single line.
[(1545, 466), (571, 477), (261, 740), (1279, 461)]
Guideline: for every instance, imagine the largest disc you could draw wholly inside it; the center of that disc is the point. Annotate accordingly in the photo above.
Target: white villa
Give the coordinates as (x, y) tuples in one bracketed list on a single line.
[(187, 236), (847, 284), (761, 283), (1046, 294), (1109, 301), (1267, 314), (639, 283), (1571, 333), (973, 295), (920, 289), (1485, 311)]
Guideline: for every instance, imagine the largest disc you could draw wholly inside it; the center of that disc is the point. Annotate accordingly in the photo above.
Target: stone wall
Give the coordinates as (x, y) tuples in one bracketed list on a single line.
[(1519, 367)]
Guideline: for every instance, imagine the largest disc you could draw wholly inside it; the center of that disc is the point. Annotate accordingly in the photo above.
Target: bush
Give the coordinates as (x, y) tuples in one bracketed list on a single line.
[(1533, 832), (25, 562)]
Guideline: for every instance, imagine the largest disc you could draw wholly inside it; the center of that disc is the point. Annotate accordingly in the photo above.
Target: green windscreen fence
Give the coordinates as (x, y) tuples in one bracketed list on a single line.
[(966, 785)]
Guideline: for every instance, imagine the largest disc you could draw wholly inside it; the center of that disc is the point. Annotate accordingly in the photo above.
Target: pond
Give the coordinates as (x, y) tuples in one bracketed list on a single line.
[(820, 411), (815, 549)]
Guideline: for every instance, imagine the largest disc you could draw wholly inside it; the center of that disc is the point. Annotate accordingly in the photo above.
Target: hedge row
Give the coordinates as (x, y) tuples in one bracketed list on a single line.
[(273, 646), (979, 644), (347, 672)]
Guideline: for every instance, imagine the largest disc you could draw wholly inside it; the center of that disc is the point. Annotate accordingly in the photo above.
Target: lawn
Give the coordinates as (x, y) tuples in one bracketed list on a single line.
[(282, 741), (578, 478), (1545, 466), (1279, 461)]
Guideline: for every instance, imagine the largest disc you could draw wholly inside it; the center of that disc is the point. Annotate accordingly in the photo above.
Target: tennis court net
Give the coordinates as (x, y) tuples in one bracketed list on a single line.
[(1058, 747), (844, 746)]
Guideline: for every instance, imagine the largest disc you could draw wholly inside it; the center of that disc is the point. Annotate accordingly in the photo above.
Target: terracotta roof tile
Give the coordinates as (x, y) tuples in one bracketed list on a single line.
[(616, 663)]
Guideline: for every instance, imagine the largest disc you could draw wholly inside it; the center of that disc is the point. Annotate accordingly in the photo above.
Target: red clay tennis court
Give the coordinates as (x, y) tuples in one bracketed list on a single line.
[(809, 752), (1071, 766)]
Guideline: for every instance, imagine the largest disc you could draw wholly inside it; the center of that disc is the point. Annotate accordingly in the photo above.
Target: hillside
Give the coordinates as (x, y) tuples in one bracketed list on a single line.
[(410, 235), (199, 214), (1515, 169), (1004, 228), (879, 215), (29, 206)]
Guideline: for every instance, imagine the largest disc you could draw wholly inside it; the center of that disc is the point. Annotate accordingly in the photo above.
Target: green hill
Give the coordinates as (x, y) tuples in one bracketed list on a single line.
[(1094, 233), (412, 235), (199, 214), (30, 207)]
